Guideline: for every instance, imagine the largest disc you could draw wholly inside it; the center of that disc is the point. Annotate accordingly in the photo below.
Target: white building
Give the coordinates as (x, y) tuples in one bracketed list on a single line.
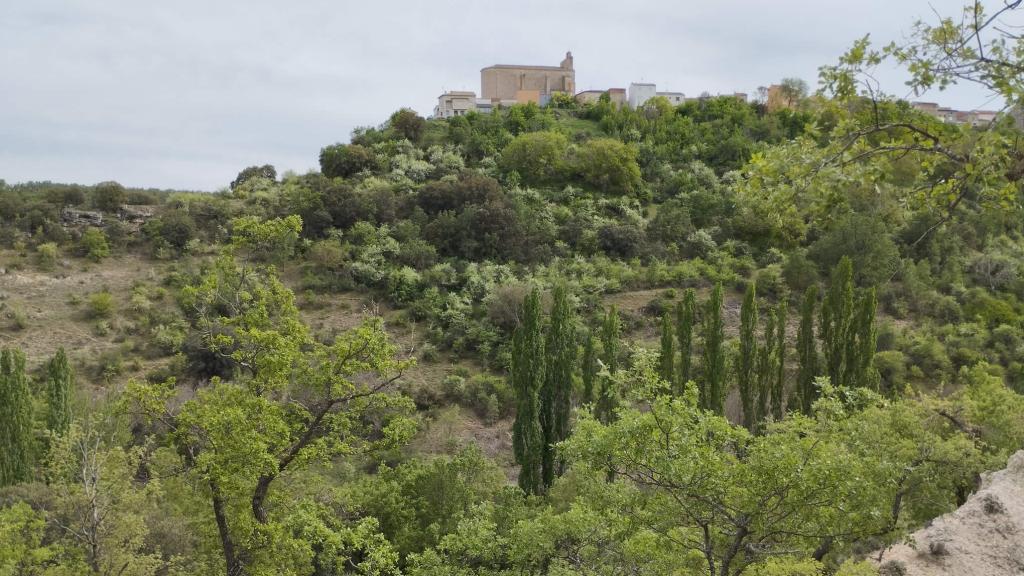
[(640, 93), (674, 98), (455, 103)]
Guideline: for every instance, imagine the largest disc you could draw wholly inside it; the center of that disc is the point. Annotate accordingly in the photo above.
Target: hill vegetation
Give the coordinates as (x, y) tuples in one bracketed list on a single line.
[(712, 339)]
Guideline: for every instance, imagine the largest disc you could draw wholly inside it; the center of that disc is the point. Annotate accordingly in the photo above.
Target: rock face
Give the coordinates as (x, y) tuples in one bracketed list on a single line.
[(984, 537)]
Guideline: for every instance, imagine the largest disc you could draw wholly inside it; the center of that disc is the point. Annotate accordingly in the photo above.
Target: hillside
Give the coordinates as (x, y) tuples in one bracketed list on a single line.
[(718, 338)]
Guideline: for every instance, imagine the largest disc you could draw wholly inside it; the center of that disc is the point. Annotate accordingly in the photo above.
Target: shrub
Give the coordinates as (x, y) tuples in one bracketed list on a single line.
[(101, 305), (48, 254), (93, 244), (621, 240), (175, 228)]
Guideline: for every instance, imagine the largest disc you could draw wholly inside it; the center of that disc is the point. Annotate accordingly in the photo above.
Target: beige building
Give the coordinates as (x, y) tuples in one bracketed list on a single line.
[(527, 83), (617, 96), (952, 116)]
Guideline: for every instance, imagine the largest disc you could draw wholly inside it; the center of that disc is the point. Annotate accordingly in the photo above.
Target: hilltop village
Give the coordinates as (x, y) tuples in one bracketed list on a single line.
[(509, 84)]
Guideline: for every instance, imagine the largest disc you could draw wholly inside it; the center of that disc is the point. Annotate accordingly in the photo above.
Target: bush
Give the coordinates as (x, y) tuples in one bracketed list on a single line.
[(175, 228), (621, 240), (93, 244), (48, 254), (101, 305)]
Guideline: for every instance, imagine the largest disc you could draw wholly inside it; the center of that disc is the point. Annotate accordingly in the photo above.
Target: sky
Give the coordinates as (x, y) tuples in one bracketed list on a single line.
[(185, 94)]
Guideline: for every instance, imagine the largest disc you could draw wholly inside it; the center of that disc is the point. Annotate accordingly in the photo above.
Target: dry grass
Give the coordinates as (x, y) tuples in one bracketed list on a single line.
[(55, 303)]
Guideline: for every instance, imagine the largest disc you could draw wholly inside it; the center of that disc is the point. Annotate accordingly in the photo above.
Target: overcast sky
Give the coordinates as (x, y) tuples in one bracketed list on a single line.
[(184, 94)]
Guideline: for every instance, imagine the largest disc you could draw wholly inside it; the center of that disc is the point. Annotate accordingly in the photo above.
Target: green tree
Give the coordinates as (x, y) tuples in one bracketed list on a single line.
[(712, 391), (766, 372), (408, 124), (667, 356), (292, 401), (863, 340), (686, 314), (746, 378), (109, 196), (834, 327), (527, 380), (956, 162), (779, 364), (793, 90), (607, 397), (589, 368), (105, 512), (15, 419), (556, 393), (807, 351), (608, 165), (271, 240), (60, 382), (267, 172), (537, 157), (737, 501), (345, 160)]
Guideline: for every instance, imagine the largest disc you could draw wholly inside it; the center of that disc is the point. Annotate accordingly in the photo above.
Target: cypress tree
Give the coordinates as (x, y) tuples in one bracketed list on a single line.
[(667, 358), (59, 384), (589, 368), (836, 317), (745, 376), (686, 312), (560, 364), (606, 401), (765, 371), (711, 397), (807, 351), (15, 419), (527, 379), (778, 385)]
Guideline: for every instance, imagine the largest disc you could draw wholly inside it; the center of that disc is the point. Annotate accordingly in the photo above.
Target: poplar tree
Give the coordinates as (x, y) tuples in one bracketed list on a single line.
[(711, 390), (807, 351), (779, 381), (686, 312), (836, 317), (15, 419), (765, 371), (527, 379), (59, 384), (589, 368), (560, 364), (745, 376), (605, 409), (667, 357), (865, 337)]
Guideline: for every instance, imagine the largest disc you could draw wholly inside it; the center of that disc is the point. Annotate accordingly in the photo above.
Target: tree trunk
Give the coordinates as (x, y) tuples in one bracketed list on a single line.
[(232, 563)]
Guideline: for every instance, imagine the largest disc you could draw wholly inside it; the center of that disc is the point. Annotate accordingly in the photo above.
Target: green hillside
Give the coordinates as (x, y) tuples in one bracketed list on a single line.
[(712, 339)]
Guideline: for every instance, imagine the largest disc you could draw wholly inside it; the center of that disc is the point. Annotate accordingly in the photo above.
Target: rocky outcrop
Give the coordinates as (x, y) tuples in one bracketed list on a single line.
[(984, 537)]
